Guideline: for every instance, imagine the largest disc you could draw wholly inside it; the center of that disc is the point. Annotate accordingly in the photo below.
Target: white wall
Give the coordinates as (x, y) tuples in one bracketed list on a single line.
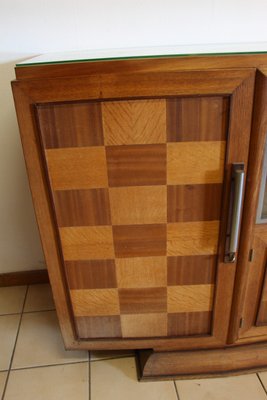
[(31, 27)]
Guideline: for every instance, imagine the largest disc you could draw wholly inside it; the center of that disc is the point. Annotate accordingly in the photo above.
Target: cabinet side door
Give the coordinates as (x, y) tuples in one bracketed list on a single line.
[(138, 171)]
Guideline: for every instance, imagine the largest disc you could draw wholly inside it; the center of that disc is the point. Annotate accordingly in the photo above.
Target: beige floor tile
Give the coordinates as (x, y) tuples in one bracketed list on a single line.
[(8, 332), (40, 342), (66, 382), (39, 297), (103, 355), (243, 387), (3, 376), (11, 299), (116, 379), (263, 377)]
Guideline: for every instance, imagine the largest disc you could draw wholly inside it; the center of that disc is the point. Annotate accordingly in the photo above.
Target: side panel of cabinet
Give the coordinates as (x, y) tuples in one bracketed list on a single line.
[(137, 190), (249, 309)]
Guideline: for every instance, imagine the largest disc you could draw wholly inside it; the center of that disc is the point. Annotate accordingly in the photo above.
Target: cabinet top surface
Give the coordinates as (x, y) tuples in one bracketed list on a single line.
[(146, 52)]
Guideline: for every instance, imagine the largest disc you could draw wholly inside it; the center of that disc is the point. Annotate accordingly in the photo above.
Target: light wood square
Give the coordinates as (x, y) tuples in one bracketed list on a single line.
[(189, 298), (192, 238), (144, 325), (195, 162), (141, 272), (77, 168), (95, 302), (85, 242), (134, 122), (138, 205)]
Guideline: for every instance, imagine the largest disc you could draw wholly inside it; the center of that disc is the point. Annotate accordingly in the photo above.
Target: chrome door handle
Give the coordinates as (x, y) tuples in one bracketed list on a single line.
[(234, 220)]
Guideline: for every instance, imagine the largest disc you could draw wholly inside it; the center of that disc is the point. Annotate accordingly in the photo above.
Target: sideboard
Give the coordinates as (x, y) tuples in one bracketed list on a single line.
[(148, 178)]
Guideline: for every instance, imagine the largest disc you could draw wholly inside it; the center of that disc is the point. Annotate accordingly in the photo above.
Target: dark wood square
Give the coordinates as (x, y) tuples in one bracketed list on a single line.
[(82, 207), (99, 327), (194, 202), (143, 300), (93, 274), (140, 240), (191, 270), (71, 124), (192, 323), (197, 119), (136, 165)]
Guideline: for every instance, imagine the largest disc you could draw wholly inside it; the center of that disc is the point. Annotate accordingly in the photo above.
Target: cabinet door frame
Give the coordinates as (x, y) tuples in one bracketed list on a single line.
[(238, 84), (250, 271)]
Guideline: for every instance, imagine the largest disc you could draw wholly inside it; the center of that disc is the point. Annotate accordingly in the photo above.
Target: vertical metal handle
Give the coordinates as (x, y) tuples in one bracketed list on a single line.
[(238, 179)]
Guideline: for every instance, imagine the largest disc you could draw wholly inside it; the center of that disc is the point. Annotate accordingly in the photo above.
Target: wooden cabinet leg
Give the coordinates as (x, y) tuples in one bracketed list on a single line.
[(236, 360)]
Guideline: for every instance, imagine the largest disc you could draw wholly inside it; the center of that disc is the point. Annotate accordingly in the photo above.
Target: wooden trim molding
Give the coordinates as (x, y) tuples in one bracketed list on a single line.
[(59, 70), (24, 278), (201, 363)]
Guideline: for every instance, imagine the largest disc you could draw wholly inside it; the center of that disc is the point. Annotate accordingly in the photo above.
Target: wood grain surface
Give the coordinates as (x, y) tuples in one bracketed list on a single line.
[(191, 270), (91, 274), (77, 168), (134, 122), (136, 165), (139, 240), (138, 205), (141, 272), (189, 323), (99, 327), (144, 325), (82, 207), (194, 202), (195, 162), (192, 238), (70, 124), (197, 119), (83, 243), (143, 300), (189, 298), (95, 302)]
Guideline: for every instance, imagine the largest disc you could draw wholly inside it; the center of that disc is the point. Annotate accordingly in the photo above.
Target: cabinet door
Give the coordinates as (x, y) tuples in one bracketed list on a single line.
[(138, 170), (249, 321)]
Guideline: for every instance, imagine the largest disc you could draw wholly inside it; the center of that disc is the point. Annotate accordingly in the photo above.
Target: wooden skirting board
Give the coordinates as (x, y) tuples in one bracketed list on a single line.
[(201, 363), (24, 278)]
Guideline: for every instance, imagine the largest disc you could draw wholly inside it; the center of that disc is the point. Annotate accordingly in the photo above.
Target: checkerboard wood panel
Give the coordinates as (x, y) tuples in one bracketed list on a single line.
[(137, 187)]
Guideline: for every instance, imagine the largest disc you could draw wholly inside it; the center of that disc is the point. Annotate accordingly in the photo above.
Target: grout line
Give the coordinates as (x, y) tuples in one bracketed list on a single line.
[(38, 311), (112, 358), (15, 343), (6, 315), (176, 390), (89, 378), (47, 365), (14, 313), (261, 383)]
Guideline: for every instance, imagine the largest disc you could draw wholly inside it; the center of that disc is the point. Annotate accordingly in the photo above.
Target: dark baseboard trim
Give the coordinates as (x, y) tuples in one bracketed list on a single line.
[(24, 278)]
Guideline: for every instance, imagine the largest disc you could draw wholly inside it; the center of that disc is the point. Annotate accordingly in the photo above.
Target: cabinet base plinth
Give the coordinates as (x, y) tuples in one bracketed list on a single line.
[(153, 365)]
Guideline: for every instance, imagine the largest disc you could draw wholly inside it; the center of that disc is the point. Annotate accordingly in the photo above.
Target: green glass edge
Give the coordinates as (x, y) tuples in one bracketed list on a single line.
[(138, 57)]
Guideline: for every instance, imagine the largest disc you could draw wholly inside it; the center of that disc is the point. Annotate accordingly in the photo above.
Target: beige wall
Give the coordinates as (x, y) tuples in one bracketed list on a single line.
[(30, 27), (20, 247)]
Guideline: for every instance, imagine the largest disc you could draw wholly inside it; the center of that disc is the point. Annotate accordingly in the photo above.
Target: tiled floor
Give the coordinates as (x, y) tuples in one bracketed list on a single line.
[(34, 364)]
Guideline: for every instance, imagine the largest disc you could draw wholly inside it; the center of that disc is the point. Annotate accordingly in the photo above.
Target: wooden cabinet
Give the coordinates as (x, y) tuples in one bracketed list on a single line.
[(130, 166), (249, 315)]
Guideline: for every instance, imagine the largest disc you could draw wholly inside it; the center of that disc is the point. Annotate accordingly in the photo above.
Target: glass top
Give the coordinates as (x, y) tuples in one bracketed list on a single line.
[(146, 52)]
